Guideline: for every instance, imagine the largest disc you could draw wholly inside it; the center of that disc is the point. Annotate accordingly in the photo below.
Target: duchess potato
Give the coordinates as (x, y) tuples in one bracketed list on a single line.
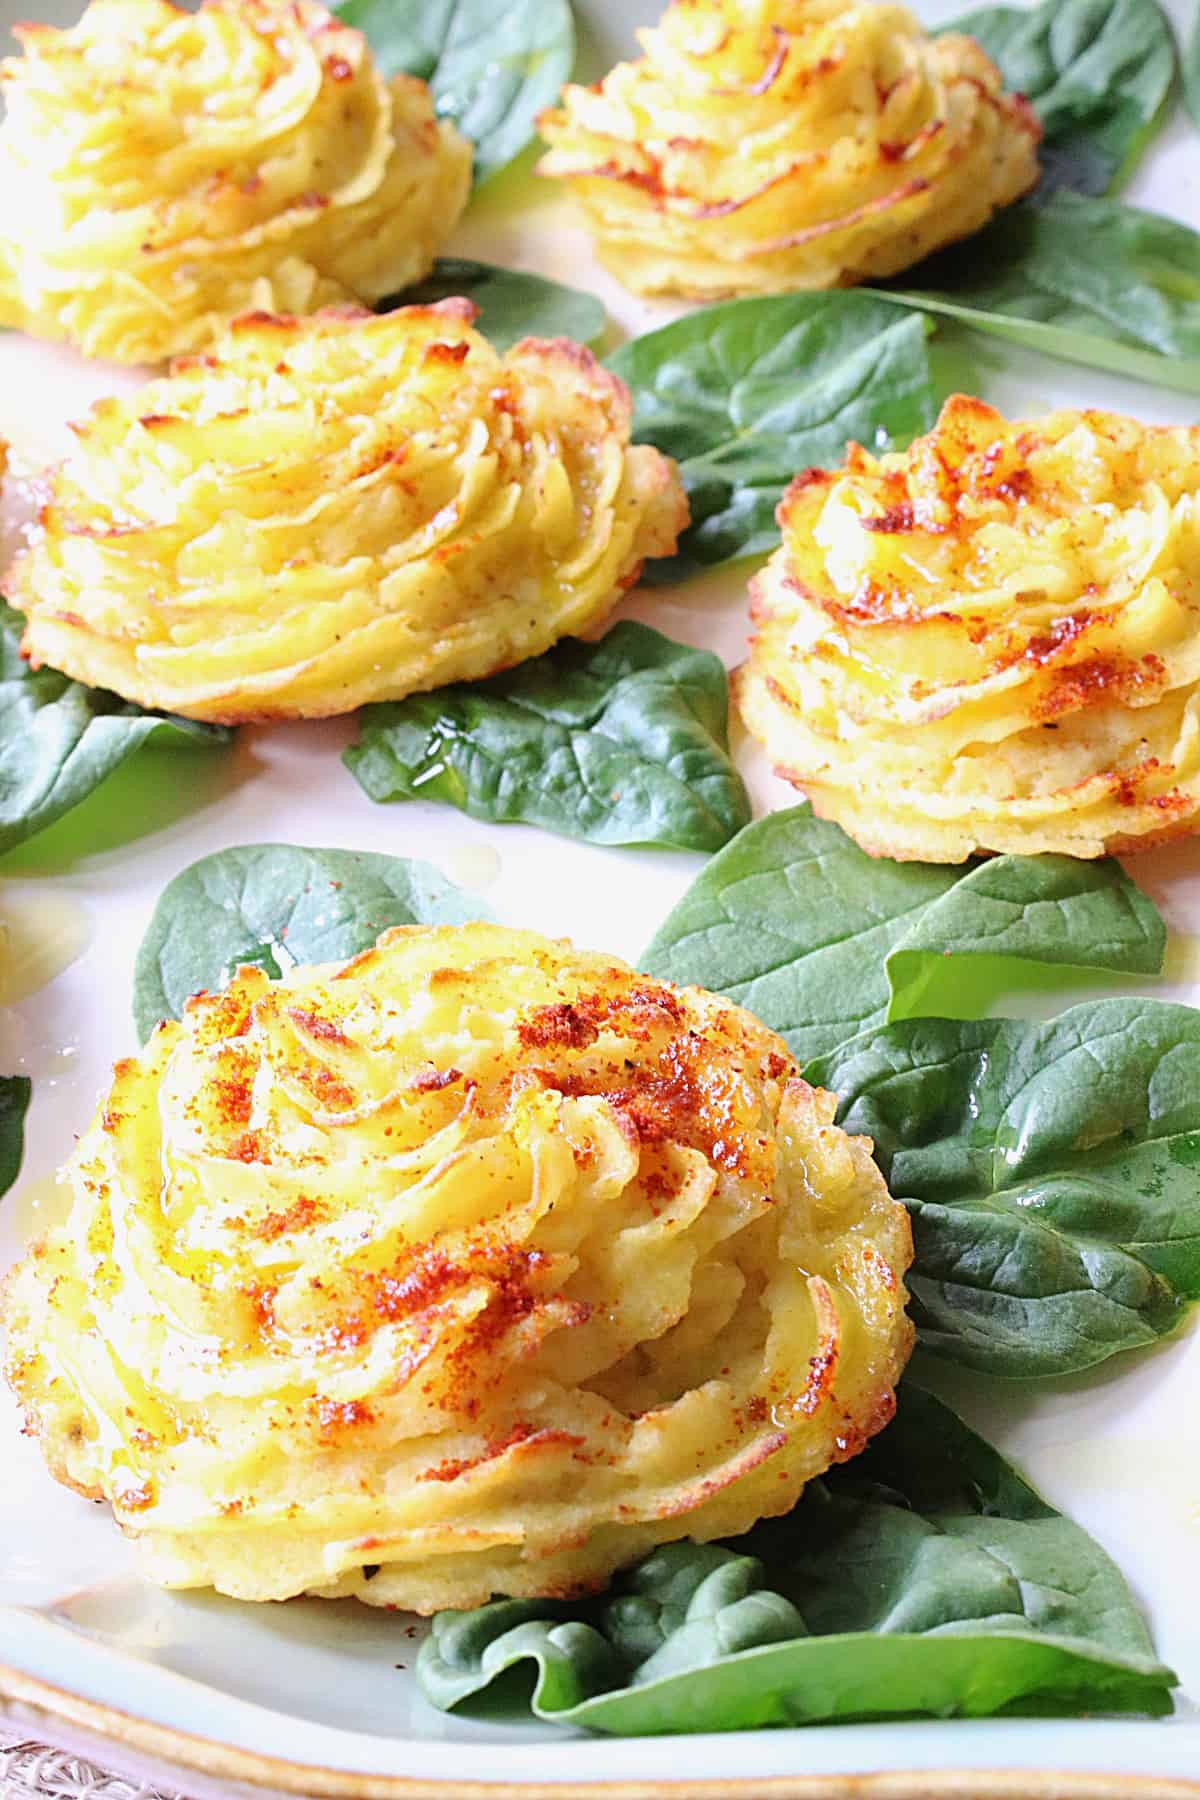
[(759, 145), (992, 640), (324, 512), (475, 1265), (162, 171)]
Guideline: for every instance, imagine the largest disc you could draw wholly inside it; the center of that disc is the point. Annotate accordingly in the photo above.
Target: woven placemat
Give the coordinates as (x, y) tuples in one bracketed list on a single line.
[(30, 1771)]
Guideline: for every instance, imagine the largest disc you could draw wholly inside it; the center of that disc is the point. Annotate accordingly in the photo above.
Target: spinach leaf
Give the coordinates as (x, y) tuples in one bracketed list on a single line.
[(1052, 1171), (924, 1577), (59, 739), (619, 742), (747, 393), (15, 1091), (1008, 917), (512, 304), (1191, 72), (1098, 73), (275, 906), (819, 939), (491, 68), (1086, 279)]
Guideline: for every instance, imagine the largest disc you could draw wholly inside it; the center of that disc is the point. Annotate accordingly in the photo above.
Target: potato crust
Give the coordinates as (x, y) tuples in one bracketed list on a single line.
[(990, 641), (324, 512), (162, 171), (761, 145), (475, 1265)]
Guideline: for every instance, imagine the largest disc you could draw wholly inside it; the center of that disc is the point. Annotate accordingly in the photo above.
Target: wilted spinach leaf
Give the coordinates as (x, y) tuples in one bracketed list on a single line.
[(1098, 73), (1052, 1171), (492, 68), (278, 905), (512, 304), (923, 1577), (59, 739), (746, 394), (819, 939), (15, 1091), (1086, 279), (619, 742)]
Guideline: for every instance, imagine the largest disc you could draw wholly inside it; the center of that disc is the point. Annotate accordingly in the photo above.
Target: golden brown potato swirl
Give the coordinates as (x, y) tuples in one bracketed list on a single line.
[(475, 1265), (760, 145), (992, 640), (162, 171), (329, 511)]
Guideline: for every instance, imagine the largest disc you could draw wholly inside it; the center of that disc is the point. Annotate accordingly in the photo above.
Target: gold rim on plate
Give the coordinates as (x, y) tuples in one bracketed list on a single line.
[(41, 1702)]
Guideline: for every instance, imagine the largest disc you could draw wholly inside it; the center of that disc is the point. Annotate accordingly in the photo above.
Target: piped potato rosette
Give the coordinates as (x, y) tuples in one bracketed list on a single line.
[(475, 1265), (325, 512), (990, 641), (762, 145), (162, 171)]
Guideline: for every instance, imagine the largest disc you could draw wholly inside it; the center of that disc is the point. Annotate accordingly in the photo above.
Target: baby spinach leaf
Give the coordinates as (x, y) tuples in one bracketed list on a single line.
[(747, 393), (1009, 916), (819, 939), (1052, 1171), (619, 742), (1083, 278), (15, 1091), (1098, 73), (512, 304), (795, 922), (275, 906), (59, 739), (491, 68), (924, 1577), (1191, 72)]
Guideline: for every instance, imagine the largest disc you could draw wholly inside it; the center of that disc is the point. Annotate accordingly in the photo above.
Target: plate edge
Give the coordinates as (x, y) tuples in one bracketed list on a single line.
[(41, 1703)]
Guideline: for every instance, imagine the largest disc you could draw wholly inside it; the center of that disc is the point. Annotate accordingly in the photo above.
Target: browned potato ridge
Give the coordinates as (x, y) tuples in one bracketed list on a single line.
[(162, 171), (761, 145), (475, 1265), (990, 641), (319, 513)]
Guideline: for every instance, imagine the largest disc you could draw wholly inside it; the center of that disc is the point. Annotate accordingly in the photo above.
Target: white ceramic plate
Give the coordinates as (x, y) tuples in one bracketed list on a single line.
[(310, 1695)]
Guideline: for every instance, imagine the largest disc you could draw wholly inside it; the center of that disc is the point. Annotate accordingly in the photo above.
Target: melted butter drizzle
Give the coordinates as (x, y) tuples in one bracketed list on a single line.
[(474, 865), (40, 936)]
